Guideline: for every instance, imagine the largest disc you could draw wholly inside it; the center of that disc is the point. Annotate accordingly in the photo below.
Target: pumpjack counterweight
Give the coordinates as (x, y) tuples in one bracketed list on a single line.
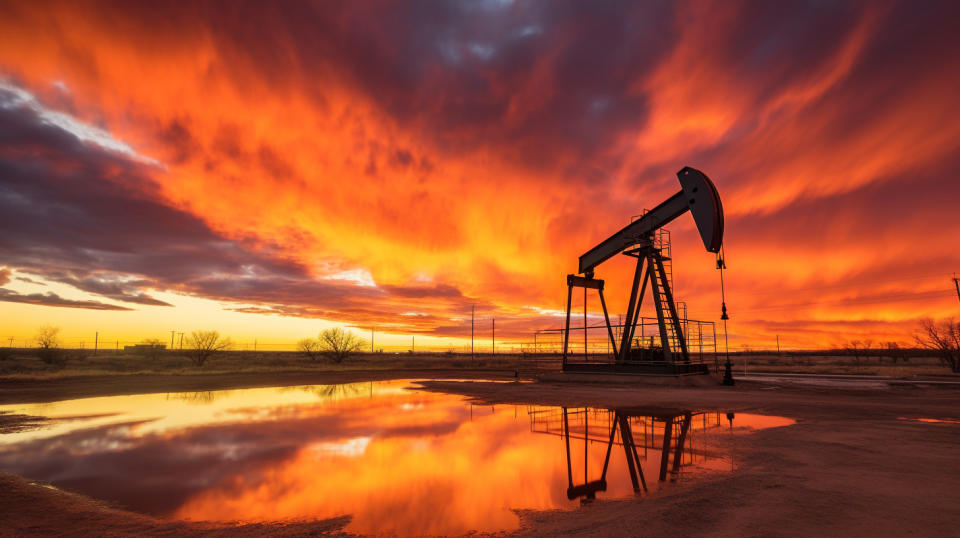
[(638, 239)]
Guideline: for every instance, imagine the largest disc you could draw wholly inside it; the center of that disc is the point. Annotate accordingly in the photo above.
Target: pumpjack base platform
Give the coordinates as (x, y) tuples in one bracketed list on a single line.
[(637, 368)]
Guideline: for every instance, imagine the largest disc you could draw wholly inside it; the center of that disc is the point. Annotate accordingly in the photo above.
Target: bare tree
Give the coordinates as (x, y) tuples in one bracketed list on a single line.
[(338, 344), (48, 340), (205, 344), (855, 348), (309, 347), (942, 338)]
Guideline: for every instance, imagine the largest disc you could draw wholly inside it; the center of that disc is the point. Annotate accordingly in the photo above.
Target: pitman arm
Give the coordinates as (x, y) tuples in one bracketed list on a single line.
[(698, 195)]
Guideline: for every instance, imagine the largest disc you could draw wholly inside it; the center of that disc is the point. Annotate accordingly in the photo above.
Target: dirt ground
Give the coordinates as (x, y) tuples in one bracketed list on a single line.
[(854, 464)]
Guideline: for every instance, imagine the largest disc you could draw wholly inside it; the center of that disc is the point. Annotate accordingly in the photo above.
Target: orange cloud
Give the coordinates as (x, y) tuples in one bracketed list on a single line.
[(476, 155)]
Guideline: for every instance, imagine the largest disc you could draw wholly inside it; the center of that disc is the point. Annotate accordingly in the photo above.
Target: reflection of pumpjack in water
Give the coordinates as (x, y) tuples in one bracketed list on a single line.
[(621, 422), (676, 427)]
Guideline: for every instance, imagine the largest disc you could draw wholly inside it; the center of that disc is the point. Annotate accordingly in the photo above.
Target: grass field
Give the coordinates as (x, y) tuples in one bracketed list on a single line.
[(26, 364), (828, 363)]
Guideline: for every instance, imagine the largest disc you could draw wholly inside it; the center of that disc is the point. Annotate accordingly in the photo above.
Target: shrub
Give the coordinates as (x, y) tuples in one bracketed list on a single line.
[(48, 342)]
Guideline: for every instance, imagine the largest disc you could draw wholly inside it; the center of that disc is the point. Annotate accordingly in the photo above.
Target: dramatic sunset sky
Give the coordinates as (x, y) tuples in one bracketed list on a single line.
[(271, 169)]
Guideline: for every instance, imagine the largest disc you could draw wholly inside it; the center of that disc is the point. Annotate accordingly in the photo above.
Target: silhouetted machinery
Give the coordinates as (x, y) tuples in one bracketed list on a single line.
[(638, 239)]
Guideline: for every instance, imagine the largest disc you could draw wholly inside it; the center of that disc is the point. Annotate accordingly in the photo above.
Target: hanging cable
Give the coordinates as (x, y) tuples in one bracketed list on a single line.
[(728, 368), (721, 265)]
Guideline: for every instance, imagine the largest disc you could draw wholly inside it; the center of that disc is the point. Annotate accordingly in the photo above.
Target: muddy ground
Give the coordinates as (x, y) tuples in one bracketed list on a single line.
[(854, 464)]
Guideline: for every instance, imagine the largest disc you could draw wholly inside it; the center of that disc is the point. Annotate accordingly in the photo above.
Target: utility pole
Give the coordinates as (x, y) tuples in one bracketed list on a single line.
[(778, 344), (956, 284), (11, 341), (493, 335), (171, 338), (586, 356), (96, 341), (181, 342)]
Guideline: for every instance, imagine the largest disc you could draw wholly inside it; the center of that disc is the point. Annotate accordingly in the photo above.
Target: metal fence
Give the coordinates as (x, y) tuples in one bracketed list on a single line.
[(593, 342)]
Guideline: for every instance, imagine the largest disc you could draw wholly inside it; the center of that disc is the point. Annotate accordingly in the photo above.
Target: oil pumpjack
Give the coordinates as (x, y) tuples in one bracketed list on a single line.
[(638, 240)]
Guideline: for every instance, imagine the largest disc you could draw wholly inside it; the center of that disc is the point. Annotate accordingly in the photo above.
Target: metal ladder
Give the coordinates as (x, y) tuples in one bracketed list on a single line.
[(663, 306)]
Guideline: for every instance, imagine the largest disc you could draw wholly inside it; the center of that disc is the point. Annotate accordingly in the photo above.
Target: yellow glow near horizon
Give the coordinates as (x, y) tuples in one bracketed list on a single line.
[(267, 332)]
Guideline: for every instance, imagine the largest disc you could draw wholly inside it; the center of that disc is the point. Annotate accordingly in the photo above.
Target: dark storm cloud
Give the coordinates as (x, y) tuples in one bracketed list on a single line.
[(109, 285), (52, 299), (67, 204), (80, 215), (528, 77), (299, 295), (535, 78), (83, 216)]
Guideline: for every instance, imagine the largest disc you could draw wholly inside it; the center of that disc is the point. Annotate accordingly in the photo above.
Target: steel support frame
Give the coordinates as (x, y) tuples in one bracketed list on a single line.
[(574, 281), (650, 257), (649, 269)]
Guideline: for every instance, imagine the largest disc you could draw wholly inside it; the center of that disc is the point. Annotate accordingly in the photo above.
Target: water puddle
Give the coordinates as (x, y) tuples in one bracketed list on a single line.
[(395, 460), (932, 420)]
